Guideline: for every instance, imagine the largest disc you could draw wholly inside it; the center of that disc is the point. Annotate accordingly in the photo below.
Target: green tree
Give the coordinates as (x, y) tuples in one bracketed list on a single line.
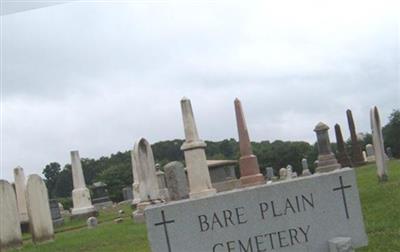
[(391, 133), (51, 173)]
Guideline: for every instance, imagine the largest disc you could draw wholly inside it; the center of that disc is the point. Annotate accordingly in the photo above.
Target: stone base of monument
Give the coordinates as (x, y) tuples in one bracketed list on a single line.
[(138, 214), (370, 159), (252, 180), (226, 185), (164, 194), (58, 222), (101, 205), (203, 193), (83, 213), (340, 244), (327, 163)]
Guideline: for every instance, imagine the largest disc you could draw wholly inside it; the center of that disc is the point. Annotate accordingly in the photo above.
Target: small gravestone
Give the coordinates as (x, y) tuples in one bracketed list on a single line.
[(306, 171), (289, 169), (222, 174), (270, 173), (91, 222), (41, 225), (283, 174), (304, 214), (56, 217), (127, 193), (100, 197), (176, 181), (10, 235), (389, 152), (340, 244), (20, 183), (162, 185)]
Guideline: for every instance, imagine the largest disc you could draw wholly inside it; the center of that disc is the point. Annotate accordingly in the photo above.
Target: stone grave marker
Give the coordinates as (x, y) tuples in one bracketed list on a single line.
[(326, 159), (389, 152), (357, 157), (41, 225), (299, 215), (176, 180), (80, 194), (20, 184), (270, 173), (305, 171), (127, 193), (10, 235), (100, 198), (342, 156), (162, 184), (222, 174), (379, 149), (56, 217), (91, 222)]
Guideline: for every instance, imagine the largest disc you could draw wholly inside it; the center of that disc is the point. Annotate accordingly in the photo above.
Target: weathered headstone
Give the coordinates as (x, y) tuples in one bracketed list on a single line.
[(326, 159), (91, 222), (222, 174), (40, 222), (19, 178), (100, 197), (389, 152), (342, 156), (195, 156), (135, 184), (270, 173), (162, 184), (80, 195), (379, 149), (147, 178), (127, 193), (304, 164), (357, 157), (364, 154), (176, 180), (10, 235), (249, 170), (289, 169), (369, 148), (55, 212), (283, 174), (312, 211)]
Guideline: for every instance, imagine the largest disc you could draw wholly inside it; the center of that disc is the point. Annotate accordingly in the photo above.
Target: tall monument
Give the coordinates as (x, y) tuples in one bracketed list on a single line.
[(195, 156), (357, 156), (249, 169), (80, 195), (326, 159), (342, 155), (20, 185), (379, 149)]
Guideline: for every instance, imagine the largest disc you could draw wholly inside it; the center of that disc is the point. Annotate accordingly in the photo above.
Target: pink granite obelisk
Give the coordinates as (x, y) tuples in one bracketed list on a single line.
[(249, 170)]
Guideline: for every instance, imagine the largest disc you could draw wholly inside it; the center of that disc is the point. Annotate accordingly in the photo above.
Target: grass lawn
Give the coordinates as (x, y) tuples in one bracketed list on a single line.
[(380, 206)]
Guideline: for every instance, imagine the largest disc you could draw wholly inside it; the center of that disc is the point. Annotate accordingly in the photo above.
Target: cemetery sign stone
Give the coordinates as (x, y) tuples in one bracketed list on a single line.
[(292, 215)]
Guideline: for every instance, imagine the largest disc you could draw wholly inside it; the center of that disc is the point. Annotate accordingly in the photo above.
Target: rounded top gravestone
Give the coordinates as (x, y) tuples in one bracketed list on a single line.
[(91, 222)]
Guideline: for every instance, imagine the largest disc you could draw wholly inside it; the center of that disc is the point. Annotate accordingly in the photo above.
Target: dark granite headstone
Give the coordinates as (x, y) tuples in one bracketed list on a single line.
[(357, 156), (127, 193), (342, 156), (56, 217), (100, 195)]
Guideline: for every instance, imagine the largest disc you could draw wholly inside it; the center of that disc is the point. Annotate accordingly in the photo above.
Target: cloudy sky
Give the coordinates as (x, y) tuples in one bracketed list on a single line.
[(96, 76)]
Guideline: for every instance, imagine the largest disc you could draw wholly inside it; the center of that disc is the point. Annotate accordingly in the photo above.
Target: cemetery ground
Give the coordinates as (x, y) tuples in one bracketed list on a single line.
[(380, 206)]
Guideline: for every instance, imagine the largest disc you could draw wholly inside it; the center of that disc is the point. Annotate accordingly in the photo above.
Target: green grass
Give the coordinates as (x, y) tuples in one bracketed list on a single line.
[(380, 206)]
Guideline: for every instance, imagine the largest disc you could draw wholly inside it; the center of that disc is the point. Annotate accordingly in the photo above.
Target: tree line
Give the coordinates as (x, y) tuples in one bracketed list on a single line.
[(116, 170)]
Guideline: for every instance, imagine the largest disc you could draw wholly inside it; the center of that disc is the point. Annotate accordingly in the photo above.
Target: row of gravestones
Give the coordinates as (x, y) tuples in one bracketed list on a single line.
[(234, 220), (37, 210)]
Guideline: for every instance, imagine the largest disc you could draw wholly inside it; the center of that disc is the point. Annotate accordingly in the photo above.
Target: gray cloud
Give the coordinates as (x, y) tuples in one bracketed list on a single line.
[(96, 77)]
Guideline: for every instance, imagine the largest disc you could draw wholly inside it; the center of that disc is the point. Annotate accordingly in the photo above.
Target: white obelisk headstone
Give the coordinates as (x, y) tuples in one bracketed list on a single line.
[(19, 178), (379, 149), (80, 195), (37, 199), (195, 156), (10, 231)]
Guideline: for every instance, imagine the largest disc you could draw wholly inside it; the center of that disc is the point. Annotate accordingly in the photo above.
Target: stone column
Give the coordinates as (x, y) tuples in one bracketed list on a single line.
[(379, 150), (304, 164), (249, 170), (195, 156), (135, 185), (10, 233), (326, 159), (41, 225), (357, 157), (83, 207), (19, 178), (342, 155)]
